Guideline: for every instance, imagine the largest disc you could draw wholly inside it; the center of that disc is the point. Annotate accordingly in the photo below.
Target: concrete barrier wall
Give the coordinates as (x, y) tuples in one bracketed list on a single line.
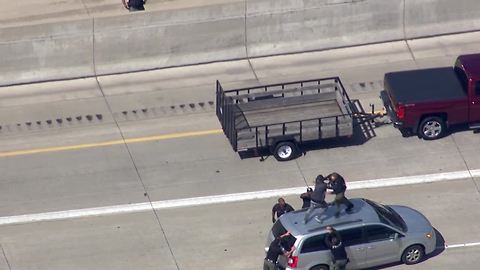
[(46, 52), (435, 17), (219, 32), (285, 26), (170, 38)]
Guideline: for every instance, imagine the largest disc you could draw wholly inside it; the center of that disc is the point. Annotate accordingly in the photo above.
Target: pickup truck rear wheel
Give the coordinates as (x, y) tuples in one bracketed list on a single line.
[(431, 128), (285, 151)]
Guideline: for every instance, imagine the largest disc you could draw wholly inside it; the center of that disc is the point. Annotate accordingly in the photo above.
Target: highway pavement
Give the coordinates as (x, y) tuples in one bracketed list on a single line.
[(224, 236), (153, 136)]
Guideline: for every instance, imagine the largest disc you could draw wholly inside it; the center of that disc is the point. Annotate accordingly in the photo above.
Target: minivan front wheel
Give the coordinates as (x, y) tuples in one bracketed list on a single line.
[(413, 254)]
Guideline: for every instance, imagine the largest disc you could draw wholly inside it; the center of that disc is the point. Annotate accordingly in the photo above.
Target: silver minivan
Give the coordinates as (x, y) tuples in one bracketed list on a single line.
[(373, 235)]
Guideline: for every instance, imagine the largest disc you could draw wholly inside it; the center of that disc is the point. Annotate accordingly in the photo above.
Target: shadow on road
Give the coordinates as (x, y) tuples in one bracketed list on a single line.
[(363, 131)]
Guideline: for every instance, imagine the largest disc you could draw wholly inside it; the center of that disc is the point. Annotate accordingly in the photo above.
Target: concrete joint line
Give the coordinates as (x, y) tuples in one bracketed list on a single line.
[(5, 256), (228, 198), (405, 34), (246, 43), (94, 64), (86, 8)]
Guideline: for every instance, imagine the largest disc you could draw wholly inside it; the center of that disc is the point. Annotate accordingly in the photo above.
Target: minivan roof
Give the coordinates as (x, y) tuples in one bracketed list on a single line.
[(471, 64), (362, 212)]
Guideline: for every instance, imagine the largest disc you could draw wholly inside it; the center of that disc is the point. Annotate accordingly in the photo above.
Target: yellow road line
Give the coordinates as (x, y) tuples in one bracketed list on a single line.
[(114, 142), (108, 143)]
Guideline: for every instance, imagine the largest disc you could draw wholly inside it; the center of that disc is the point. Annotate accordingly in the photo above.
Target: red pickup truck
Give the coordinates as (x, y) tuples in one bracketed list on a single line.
[(427, 101)]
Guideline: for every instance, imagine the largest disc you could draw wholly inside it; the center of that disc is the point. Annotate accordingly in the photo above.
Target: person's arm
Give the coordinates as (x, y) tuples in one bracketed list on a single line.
[(289, 253), (125, 3), (289, 208), (274, 210), (342, 184), (328, 243), (334, 187), (338, 236), (331, 189)]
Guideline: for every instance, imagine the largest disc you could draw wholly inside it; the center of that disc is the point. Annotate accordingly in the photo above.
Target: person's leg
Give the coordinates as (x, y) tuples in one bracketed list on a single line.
[(313, 205), (323, 207), (335, 266), (343, 200), (348, 203), (341, 265), (265, 265), (139, 8), (338, 201), (272, 266)]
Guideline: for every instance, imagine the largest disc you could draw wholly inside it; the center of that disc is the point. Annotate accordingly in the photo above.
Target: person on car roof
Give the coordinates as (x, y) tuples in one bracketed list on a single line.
[(317, 197), (306, 197), (338, 186)]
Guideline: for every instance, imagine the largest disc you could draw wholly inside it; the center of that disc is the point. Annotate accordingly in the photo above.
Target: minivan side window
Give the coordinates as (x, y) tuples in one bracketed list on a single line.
[(352, 236), (379, 233), (477, 89), (314, 244)]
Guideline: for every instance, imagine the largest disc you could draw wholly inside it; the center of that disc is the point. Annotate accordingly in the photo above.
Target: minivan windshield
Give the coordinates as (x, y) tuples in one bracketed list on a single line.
[(388, 216)]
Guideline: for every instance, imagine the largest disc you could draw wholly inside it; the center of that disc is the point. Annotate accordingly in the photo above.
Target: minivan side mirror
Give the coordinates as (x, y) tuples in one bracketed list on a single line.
[(394, 236)]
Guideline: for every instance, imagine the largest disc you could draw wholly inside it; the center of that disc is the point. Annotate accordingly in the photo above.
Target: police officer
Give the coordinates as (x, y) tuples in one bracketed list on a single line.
[(317, 197), (338, 186), (334, 242), (280, 246), (280, 208), (306, 198)]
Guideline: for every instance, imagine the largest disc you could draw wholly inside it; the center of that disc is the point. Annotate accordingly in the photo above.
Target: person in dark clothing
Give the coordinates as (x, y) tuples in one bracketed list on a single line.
[(306, 197), (338, 186), (334, 242), (280, 208), (280, 246), (134, 5), (317, 197)]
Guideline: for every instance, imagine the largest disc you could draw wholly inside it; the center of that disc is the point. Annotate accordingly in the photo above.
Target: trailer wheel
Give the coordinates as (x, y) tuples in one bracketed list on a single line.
[(285, 151), (432, 128)]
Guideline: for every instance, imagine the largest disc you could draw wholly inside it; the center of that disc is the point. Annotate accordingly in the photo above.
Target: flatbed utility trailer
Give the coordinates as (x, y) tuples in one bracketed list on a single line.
[(281, 117)]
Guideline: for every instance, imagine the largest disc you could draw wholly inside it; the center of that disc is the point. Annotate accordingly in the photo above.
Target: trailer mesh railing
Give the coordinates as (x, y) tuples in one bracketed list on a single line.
[(227, 100)]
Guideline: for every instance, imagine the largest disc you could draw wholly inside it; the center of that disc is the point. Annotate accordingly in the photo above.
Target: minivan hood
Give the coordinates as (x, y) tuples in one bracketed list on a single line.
[(416, 221)]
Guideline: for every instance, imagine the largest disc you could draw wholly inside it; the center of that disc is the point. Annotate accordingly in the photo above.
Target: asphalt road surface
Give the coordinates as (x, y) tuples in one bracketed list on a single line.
[(137, 139)]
